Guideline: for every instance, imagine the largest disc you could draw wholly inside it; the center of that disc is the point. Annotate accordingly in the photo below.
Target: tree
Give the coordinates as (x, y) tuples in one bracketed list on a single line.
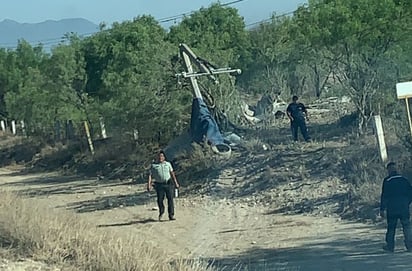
[(66, 78), (218, 35), (271, 69), (48, 87), (358, 35), (6, 71), (24, 68), (128, 68)]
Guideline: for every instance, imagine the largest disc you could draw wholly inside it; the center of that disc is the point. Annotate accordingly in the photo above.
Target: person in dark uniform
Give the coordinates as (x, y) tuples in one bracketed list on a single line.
[(395, 199), (297, 114), (164, 183)]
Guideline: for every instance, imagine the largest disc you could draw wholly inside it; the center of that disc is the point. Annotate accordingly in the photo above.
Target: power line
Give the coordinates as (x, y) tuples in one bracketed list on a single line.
[(271, 18), (161, 20), (55, 41), (179, 16)]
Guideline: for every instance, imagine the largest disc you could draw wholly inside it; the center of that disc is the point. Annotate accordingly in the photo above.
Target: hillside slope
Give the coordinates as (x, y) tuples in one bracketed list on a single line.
[(281, 206)]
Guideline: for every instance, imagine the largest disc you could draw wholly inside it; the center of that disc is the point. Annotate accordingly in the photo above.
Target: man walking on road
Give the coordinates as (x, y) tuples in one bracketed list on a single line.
[(297, 113), (164, 183), (395, 199)]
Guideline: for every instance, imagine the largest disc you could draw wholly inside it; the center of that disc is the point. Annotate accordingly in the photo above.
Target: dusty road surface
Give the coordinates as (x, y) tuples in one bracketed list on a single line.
[(227, 233)]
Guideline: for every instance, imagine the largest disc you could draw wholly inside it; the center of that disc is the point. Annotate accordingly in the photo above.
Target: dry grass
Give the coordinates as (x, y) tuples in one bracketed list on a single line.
[(255, 145), (7, 140), (365, 174), (196, 162), (61, 238)]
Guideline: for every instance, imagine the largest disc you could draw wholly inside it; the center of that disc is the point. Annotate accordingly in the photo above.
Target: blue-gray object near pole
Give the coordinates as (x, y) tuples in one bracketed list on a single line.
[(202, 124)]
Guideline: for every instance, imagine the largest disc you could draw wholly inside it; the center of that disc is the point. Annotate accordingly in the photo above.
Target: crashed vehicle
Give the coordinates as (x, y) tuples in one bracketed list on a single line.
[(266, 106)]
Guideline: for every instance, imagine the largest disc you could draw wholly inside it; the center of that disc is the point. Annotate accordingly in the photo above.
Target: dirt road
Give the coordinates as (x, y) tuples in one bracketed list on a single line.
[(227, 233)]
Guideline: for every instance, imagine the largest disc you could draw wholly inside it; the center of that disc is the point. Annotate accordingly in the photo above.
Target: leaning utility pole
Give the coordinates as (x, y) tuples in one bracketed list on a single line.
[(206, 70), (212, 132)]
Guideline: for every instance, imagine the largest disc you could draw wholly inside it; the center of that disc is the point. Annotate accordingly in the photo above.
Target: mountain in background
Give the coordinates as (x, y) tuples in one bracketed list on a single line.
[(49, 33)]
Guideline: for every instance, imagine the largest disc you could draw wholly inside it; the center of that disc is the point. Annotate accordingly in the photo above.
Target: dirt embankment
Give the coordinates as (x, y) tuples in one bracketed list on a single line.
[(273, 208), (218, 224)]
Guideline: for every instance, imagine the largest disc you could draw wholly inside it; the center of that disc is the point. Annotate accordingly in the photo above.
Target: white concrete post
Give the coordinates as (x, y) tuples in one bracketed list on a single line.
[(381, 138), (409, 114), (103, 128), (3, 125), (135, 134), (13, 127), (23, 128)]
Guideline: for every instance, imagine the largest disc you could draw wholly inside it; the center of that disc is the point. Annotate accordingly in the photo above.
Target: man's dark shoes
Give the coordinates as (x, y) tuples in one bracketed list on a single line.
[(160, 217), (387, 248), (172, 218)]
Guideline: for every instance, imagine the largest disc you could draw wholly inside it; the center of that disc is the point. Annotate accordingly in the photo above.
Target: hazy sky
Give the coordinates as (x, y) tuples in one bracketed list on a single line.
[(109, 11)]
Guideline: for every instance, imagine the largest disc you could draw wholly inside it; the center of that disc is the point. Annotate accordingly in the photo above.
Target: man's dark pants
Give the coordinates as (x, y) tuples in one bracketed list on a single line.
[(163, 190), (299, 124), (392, 220)]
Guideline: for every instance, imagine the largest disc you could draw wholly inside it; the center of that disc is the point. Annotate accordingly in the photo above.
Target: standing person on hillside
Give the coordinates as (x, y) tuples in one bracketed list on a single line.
[(395, 199), (297, 113), (164, 183)]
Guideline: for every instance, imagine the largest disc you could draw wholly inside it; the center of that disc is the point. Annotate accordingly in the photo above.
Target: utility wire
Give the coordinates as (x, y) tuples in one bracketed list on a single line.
[(270, 19), (175, 17), (48, 43), (53, 41)]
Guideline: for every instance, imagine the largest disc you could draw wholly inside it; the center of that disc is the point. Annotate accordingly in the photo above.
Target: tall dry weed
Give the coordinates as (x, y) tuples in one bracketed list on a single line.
[(365, 178), (58, 237), (199, 161)]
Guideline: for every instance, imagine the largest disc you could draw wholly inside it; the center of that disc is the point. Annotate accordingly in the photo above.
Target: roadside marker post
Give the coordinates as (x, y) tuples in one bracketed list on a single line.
[(89, 137), (13, 127), (3, 125), (102, 128), (381, 138)]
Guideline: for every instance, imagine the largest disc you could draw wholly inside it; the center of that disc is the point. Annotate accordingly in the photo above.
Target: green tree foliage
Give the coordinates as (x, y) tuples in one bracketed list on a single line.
[(283, 60), (66, 78), (25, 99), (46, 91), (6, 79), (218, 35), (126, 73), (358, 35), (15, 67), (128, 68), (272, 68)]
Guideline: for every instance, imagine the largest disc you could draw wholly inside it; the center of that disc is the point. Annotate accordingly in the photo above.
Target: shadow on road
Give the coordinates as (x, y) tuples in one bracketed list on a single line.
[(134, 222), (332, 255), (110, 202)]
